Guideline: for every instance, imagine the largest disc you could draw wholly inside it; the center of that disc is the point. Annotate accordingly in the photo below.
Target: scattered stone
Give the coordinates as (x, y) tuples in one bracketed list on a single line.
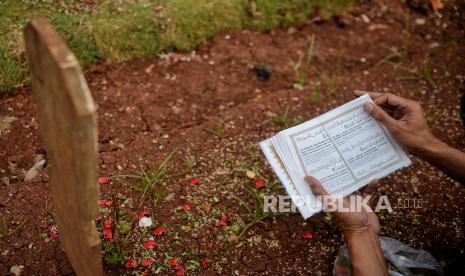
[(170, 197), (16, 270), (420, 21), (145, 222), (365, 18), (5, 123), (149, 69), (250, 174), (297, 86), (414, 179), (35, 170)]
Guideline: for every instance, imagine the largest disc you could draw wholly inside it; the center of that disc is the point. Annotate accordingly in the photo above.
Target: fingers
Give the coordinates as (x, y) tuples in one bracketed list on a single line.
[(380, 115), (385, 98), (316, 186), (373, 95), (371, 188)]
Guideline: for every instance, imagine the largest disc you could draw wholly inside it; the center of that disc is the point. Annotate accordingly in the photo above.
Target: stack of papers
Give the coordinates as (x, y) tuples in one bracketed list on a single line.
[(344, 149)]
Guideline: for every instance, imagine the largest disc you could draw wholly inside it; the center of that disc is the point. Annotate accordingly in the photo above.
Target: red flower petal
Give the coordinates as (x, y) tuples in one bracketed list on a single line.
[(148, 262), (180, 272), (103, 180), (203, 262), (194, 181), (130, 263), (107, 232), (224, 220), (259, 183), (52, 229), (307, 235), (158, 231), (104, 202), (173, 262), (186, 207), (150, 244), (143, 213)]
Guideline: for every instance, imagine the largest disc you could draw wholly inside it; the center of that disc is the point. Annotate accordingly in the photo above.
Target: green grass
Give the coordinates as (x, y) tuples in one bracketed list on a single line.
[(116, 31)]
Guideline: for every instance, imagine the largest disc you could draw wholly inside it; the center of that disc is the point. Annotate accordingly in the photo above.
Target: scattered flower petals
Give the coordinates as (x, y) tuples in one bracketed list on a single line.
[(203, 262), (52, 229), (186, 207), (143, 213), (158, 231), (150, 244), (307, 235), (130, 263), (104, 202), (224, 220), (103, 180), (180, 272), (194, 181), (437, 4), (145, 222), (173, 262), (107, 230), (148, 262), (259, 183)]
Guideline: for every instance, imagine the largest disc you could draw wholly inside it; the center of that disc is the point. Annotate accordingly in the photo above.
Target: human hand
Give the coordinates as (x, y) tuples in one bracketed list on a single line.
[(353, 222), (403, 118)]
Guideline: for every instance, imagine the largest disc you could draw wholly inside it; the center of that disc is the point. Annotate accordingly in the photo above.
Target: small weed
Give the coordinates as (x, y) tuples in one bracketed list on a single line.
[(301, 71), (315, 97), (45, 208), (218, 130), (151, 182), (5, 232), (329, 81), (422, 75), (282, 120)]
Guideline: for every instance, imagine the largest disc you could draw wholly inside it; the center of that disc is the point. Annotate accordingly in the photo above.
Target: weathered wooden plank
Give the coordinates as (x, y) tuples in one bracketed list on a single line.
[(68, 130)]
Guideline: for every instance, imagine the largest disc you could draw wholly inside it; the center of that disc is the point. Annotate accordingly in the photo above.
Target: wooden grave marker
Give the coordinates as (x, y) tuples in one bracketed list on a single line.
[(68, 130)]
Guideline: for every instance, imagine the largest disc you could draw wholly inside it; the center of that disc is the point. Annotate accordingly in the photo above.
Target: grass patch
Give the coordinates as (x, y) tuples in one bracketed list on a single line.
[(116, 31)]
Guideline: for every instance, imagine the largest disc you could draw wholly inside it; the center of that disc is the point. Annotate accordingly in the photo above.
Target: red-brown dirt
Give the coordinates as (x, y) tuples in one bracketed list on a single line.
[(146, 108)]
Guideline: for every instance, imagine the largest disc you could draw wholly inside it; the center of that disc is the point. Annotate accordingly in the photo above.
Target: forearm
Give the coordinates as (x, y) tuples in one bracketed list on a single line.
[(366, 254), (446, 158)]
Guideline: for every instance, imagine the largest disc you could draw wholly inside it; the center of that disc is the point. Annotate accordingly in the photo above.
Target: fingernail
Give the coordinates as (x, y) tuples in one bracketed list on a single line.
[(368, 107)]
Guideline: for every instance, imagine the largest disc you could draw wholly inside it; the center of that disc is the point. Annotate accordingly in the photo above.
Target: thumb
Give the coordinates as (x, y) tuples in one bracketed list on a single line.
[(316, 187), (379, 114)]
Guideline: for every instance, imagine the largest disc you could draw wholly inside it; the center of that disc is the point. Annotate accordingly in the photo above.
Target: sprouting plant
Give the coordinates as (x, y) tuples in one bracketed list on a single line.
[(151, 182), (425, 74), (281, 119), (432, 117), (301, 71), (315, 96), (329, 81), (255, 211), (114, 252), (5, 232), (218, 130)]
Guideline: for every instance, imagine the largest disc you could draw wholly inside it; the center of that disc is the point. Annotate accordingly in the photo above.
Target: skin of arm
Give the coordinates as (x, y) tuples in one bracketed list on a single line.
[(407, 124), (361, 230)]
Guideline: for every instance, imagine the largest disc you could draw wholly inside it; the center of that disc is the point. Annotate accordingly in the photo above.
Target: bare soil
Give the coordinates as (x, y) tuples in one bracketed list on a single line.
[(146, 108)]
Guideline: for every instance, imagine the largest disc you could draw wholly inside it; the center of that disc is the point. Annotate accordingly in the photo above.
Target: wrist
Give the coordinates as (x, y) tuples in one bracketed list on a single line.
[(431, 148), (361, 233)]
